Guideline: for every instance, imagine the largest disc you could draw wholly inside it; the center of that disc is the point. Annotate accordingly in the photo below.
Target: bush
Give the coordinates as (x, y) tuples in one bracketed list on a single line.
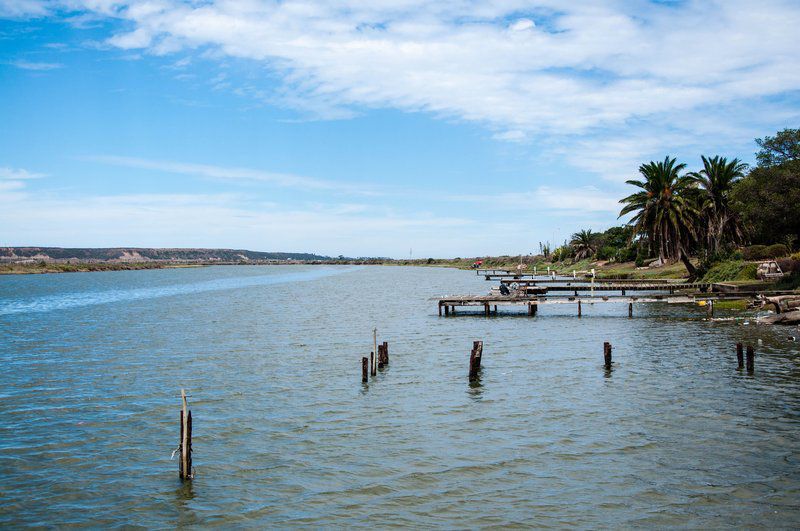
[(731, 270), (641, 257), (796, 256), (790, 265), (776, 251), (754, 252)]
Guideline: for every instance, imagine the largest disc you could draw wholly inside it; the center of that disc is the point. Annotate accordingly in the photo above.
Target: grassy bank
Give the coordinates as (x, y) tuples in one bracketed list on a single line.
[(56, 267)]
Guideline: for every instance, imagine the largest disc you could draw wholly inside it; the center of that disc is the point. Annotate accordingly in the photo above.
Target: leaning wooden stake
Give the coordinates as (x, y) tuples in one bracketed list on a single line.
[(751, 358), (739, 356), (185, 464), (607, 354), (364, 369), (475, 359)]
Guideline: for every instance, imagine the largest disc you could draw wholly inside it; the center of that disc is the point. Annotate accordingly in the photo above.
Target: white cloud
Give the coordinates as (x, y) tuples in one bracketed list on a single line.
[(546, 198), (37, 66), (236, 174), (18, 174)]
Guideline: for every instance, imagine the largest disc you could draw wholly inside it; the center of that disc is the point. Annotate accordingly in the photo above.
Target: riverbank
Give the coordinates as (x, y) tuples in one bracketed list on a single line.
[(82, 267)]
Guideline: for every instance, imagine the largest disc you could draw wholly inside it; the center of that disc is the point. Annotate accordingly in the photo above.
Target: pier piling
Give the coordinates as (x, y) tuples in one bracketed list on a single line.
[(374, 368), (185, 464), (739, 356), (364, 369), (475, 359), (630, 309), (751, 358), (579, 308), (607, 354)]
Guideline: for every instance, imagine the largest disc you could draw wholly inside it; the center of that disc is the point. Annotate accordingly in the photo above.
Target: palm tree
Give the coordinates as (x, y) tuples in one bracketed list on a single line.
[(716, 181), (583, 243), (665, 210)]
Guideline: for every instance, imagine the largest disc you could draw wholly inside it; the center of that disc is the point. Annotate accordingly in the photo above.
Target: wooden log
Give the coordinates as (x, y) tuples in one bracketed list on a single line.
[(364, 369), (751, 359), (607, 354), (739, 356)]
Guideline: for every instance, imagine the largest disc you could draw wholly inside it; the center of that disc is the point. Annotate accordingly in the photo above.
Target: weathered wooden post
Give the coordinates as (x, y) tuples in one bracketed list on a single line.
[(630, 309), (710, 308), (751, 359), (475, 359), (486, 308), (386, 353), (446, 310), (607, 354), (374, 370), (364, 369), (440, 308), (185, 464), (739, 356), (579, 308)]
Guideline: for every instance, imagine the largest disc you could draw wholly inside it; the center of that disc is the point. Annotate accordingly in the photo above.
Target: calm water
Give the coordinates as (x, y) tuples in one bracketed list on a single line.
[(286, 434)]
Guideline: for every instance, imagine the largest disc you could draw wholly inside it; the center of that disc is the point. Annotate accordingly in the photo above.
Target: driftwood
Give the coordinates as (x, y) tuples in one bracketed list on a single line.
[(783, 303), (787, 318)]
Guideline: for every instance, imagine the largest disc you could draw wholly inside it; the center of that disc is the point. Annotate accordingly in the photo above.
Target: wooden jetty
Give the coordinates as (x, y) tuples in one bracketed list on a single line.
[(490, 303)]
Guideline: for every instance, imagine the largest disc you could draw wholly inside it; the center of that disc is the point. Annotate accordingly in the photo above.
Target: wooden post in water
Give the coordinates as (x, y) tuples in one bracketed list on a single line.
[(374, 340), (486, 308), (185, 465), (630, 309), (579, 308), (446, 310), (739, 356), (364, 370), (385, 353), (374, 370), (475, 359), (440, 308), (710, 308), (751, 359), (607, 354)]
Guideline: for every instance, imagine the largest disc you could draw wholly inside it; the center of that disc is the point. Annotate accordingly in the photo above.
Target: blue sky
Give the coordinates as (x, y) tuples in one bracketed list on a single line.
[(449, 128)]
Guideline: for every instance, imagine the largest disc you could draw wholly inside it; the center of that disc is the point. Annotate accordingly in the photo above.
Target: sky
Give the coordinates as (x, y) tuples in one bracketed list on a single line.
[(369, 128)]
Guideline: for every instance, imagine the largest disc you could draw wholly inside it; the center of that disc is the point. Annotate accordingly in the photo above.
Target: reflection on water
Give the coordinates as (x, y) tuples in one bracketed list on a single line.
[(285, 433)]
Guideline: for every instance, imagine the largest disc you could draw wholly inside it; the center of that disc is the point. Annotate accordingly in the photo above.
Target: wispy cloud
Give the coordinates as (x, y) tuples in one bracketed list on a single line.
[(37, 66), (545, 198), (235, 174), (18, 174)]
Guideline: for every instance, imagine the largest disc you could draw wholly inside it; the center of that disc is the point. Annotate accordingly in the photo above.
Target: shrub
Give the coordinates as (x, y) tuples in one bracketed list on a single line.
[(731, 270), (796, 256), (776, 250), (754, 252), (641, 257)]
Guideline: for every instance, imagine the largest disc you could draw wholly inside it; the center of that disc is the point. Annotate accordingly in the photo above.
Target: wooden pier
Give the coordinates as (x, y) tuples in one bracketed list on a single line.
[(490, 303)]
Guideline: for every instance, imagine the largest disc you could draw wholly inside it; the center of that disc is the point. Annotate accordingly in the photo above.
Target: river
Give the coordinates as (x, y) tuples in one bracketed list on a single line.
[(285, 433)]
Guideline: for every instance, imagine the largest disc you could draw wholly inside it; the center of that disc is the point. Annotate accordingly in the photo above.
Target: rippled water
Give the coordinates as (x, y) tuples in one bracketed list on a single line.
[(285, 434)]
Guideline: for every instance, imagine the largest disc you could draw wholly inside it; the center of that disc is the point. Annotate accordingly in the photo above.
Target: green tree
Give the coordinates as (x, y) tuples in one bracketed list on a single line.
[(768, 198), (664, 210), (584, 244), (779, 149), (716, 180)]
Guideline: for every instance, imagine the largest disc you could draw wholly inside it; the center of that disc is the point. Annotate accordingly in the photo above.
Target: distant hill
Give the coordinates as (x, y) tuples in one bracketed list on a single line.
[(135, 254)]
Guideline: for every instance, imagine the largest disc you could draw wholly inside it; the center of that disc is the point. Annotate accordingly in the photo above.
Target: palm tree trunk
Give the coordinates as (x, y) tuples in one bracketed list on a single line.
[(692, 270)]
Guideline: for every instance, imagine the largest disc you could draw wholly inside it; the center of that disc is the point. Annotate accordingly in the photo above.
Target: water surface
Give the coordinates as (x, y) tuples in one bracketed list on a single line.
[(285, 434)]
